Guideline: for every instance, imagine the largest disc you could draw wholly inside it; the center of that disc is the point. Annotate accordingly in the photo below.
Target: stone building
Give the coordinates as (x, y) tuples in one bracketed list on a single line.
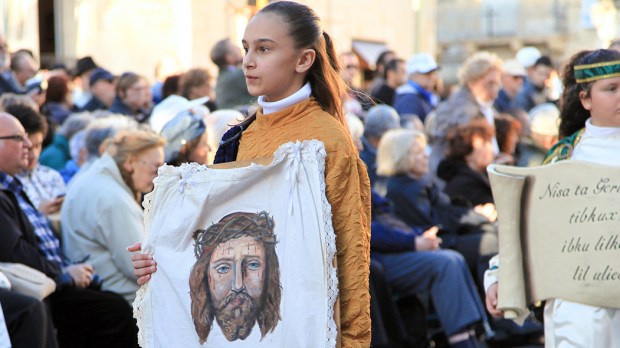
[(134, 35), (559, 28)]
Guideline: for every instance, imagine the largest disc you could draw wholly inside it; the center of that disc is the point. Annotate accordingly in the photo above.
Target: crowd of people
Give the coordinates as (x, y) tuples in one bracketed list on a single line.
[(80, 147)]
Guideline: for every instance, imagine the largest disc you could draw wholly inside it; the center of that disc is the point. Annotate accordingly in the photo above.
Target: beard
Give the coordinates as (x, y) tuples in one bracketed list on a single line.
[(236, 315)]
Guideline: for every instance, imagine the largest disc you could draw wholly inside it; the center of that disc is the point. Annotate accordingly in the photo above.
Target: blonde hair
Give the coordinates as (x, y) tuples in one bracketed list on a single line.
[(393, 151), (356, 126), (132, 143), (128, 144), (478, 65)]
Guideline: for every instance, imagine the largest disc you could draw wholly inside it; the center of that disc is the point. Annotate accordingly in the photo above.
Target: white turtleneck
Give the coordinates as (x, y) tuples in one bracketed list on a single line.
[(299, 96), (599, 145)]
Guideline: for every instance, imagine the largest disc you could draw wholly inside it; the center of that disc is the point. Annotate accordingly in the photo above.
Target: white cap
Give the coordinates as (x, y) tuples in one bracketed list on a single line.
[(421, 63), (513, 68), (545, 119), (527, 56), (168, 108)]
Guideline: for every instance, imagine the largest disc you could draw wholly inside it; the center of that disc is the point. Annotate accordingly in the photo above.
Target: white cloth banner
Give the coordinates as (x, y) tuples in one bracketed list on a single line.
[(244, 255)]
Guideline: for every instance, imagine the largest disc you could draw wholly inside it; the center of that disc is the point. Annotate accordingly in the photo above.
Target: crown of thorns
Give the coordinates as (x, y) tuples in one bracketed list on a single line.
[(259, 226)]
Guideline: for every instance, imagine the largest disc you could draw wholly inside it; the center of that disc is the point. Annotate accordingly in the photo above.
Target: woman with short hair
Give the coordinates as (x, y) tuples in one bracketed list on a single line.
[(101, 214)]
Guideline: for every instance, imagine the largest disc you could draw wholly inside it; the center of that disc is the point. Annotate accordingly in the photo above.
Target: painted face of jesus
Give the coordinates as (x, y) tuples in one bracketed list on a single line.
[(236, 278)]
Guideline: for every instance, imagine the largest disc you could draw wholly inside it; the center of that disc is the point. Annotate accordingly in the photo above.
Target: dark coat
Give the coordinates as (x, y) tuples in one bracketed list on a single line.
[(464, 185), (420, 203), (18, 242)]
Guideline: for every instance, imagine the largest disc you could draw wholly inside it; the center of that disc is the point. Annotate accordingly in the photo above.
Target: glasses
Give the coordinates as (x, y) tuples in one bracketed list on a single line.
[(16, 137)]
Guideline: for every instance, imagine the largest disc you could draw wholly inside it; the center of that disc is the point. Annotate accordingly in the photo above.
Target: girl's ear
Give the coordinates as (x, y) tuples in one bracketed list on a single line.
[(586, 101), (306, 59)]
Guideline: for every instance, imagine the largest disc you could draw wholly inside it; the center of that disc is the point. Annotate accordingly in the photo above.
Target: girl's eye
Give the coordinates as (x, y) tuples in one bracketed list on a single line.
[(245, 50), (264, 49)]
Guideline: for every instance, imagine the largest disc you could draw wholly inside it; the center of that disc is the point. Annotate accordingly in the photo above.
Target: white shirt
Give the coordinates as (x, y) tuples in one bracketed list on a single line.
[(299, 96)]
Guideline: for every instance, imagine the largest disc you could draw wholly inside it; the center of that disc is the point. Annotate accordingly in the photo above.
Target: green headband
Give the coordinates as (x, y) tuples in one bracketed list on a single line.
[(597, 71)]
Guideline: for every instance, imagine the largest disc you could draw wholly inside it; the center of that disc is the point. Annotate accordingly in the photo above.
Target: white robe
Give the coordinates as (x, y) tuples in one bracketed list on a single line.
[(570, 324)]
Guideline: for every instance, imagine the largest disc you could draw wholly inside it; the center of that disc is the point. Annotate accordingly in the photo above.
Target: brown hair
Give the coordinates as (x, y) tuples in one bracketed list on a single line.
[(125, 81), (57, 89), (259, 226), (304, 27), (507, 130), (460, 139), (191, 79), (573, 115), (128, 144)]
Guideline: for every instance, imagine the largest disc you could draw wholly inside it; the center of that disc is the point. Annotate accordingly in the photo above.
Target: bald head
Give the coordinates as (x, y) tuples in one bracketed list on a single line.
[(14, 145)]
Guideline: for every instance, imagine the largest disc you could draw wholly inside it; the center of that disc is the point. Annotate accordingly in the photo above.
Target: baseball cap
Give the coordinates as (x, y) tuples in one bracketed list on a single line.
[(100, 74), (527, 56), (512, 67), (421, 63)]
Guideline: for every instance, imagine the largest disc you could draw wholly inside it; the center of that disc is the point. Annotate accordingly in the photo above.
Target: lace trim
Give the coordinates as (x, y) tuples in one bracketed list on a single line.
[(317, 149), (187, 170)]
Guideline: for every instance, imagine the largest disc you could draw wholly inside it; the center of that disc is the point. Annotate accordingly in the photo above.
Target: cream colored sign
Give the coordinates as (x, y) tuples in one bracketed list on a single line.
[(559, 233)]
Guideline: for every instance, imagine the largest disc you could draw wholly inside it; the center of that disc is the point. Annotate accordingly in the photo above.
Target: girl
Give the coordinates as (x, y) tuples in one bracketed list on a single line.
[(291, 65), (590, 125)]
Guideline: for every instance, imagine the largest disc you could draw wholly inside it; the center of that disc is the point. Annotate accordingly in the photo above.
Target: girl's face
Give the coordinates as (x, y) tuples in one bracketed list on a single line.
[(603, 102), (273, 67), (418, 158), (482, 154)]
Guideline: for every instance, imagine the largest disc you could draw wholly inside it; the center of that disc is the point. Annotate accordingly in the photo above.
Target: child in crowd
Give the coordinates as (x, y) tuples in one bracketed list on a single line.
[(590, 128)]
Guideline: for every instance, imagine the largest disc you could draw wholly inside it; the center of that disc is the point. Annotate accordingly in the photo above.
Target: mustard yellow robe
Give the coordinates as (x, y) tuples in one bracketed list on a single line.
[(348, 192)]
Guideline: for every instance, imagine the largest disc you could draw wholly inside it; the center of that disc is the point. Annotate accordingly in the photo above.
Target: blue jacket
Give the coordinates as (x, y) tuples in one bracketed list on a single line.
[(409, 101), (422, 204), (388, 233)]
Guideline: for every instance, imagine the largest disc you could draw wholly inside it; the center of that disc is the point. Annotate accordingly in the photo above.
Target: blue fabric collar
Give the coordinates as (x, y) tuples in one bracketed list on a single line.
[(424, 93)]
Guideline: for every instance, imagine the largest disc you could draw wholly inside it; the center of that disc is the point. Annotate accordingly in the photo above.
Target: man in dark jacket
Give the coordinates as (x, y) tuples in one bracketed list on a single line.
[(82, 315)]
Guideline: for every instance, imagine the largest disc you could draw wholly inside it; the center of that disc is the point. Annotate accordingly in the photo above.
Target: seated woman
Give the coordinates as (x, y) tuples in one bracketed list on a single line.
[(186, 139), (413, 264), (464, 170), (101, 214), (402, 157), (133, 97)]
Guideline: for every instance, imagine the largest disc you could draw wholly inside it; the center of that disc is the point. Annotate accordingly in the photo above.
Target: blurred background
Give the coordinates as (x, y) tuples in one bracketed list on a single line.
[(137, 35)]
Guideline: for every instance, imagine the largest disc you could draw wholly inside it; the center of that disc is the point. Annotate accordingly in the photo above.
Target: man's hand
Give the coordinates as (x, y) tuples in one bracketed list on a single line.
[(428, 240), (488, 210), (82, 274), (143, 264), (51, 206)]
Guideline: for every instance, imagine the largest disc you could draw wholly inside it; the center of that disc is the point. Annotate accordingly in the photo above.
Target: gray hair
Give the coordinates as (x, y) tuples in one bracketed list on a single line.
[(103, 128), (380, 119), (74, 123)]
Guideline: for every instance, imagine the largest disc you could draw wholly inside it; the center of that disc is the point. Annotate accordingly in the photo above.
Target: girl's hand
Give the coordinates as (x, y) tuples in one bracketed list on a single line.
[(143, 264), (491, 302)]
